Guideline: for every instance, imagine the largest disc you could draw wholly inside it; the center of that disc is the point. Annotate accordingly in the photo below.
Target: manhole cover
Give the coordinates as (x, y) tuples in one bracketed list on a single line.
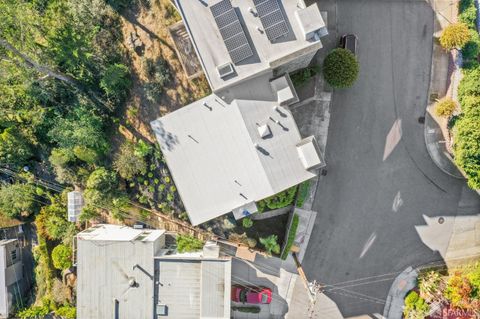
[(441, 220), (421, 119)]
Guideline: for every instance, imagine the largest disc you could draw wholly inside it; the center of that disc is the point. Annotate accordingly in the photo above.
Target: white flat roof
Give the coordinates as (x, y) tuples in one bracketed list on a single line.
[(217, 157), (108, 232), (267, 55), (195, 288)]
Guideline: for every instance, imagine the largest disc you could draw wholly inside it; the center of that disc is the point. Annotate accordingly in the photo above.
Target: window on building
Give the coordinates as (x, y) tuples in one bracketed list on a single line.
[(13, 254)]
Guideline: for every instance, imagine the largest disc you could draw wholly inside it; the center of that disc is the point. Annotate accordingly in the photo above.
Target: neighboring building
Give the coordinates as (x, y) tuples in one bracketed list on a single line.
[(12, 283), (127, 273), (75, 205), (241, 144)]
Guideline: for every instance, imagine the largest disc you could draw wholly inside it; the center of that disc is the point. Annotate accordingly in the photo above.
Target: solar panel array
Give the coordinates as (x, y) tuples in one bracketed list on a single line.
[(272, 18), (231, 30)]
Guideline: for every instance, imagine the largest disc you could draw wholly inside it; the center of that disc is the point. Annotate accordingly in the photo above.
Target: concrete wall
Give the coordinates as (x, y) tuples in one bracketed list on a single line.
[(3, 286), (299, 62)]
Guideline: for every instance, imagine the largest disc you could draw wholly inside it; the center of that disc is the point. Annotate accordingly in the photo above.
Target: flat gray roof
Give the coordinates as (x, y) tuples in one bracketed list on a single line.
[(267, 55), (194, 288), (217, 157)]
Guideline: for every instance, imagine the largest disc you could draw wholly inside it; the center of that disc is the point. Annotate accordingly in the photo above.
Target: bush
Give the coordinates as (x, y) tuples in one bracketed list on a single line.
[(247, 222), (467, 148), (471, 51), (468, 13), (279, 200), (128, 164), (251, 242), (303, 192), (270, 244), (459, 291), (471, 106), (340, 68), (68, 312), (302, 76), (415, 307), (187, 243), (62, 257), (445, 107), (455, 36), (469, 85), (291, 236), (430, 286)]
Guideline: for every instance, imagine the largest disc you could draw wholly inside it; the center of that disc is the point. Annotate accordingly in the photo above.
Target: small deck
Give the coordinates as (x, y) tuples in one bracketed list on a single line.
[(185, 50)]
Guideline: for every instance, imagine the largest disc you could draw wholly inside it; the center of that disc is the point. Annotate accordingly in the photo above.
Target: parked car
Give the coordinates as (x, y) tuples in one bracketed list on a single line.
[(349, 42), (252, 295)]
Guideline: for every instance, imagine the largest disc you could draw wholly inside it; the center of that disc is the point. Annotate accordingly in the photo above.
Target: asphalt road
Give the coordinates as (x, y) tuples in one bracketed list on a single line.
[(368, 206)]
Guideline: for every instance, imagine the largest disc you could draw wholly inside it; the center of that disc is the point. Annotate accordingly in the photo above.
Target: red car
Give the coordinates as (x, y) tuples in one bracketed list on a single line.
[(251, 295)]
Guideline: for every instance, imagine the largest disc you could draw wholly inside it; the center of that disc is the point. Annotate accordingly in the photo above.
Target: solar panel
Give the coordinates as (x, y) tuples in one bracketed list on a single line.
[(231, 30), (272, 18)]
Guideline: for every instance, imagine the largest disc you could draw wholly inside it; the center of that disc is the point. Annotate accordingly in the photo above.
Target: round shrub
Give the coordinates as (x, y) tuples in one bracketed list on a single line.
[(340, 68), (247, 222), (62, 257), (455, 36), (445, 107)]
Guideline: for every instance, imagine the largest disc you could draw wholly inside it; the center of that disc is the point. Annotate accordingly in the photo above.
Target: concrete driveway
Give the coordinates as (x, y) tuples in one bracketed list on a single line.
[(380, 178)]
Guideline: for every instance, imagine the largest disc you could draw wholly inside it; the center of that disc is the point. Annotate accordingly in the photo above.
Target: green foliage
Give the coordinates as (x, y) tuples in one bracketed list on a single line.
[(455, 36), (291, 236), (81, 128), (14, 147), (52, 221), (103, 180), (459, 291), (88, 213), (469, 85), (85, 154), (471, 106), (247, 309), (445, 107), (415, 306), (340, 68), (270, 244), (467, 13), (279, 200), (143, 149), (101, 190), (68, 312), (187, 243), (299, 78), (116, 81), (303, 192), (34, 312), (62, 257), (247, 222), (467, 148), (471, 51), (16, 199), (128, 163)]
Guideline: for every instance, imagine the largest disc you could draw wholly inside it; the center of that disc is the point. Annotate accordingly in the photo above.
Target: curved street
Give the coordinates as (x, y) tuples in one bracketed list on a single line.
[(381, 180)]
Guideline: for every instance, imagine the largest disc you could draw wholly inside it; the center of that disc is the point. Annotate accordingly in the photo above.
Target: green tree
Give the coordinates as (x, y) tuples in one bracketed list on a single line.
[(187, 243), (16, 199), (340, 68), (455, 36), (115, 81), (62, 257), (14, 147), (415, 307), (81, 128), (270, 244), (247, 222), (101, 188), (445, 107), (128, 164), (469, 85), (467, 148)]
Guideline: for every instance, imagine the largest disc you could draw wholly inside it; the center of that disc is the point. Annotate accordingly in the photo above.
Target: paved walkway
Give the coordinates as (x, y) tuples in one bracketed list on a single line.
[(444, 79)]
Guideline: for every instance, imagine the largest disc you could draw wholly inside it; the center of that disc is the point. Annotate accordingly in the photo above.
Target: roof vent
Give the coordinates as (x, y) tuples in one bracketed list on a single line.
[(311, 22), (225, 70), (162, 310), (264, 131)]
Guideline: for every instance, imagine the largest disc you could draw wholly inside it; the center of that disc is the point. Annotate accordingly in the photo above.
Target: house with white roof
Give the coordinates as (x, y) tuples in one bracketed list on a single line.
[(127, 273), (12, 281), (241, 144)]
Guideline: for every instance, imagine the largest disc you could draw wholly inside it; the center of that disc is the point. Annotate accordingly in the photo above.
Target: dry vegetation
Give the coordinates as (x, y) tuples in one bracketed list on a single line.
[(150, 23)]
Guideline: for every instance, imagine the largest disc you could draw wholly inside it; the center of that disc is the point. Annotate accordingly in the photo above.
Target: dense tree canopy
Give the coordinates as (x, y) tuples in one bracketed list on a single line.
[(17, 199), (340, 68)]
